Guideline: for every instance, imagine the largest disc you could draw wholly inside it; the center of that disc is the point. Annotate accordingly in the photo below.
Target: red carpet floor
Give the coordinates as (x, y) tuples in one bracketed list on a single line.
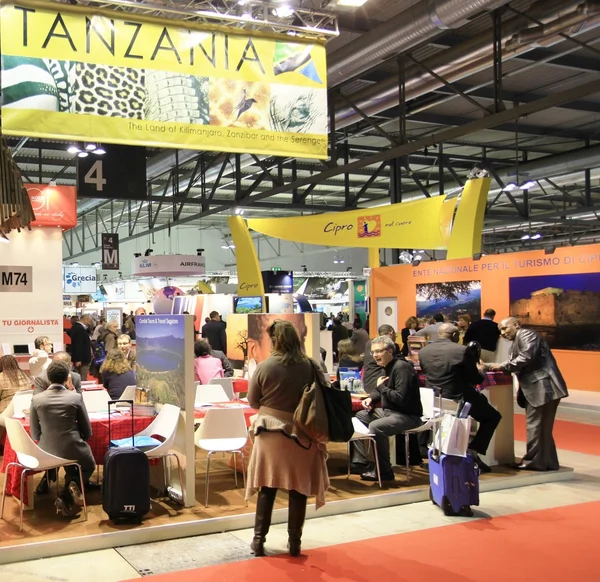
[(552, 545), (570, 436)]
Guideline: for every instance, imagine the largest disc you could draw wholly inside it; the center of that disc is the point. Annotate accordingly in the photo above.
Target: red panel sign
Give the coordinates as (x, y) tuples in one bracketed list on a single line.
[(53, 205)]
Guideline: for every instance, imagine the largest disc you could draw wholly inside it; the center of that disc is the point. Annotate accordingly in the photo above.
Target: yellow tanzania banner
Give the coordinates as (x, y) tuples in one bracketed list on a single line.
[(424, 224), (79, 73)]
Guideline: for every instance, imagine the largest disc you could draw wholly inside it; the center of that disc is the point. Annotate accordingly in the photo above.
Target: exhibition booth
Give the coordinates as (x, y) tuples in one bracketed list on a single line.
[(556, 292)]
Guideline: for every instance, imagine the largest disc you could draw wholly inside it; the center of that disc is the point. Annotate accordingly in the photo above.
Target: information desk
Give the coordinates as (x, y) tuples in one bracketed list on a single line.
[(498, 388), (120, 428)]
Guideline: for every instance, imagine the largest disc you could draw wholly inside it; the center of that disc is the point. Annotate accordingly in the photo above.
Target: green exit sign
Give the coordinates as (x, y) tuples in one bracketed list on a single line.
[(276, 269)]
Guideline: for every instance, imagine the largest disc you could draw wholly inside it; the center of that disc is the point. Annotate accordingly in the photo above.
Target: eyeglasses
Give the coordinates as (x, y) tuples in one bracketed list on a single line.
[(375, 352)]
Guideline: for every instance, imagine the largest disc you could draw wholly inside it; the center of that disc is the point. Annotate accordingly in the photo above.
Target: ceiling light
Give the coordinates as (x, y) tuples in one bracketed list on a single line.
[(351, 3), (83, 154), (525, 237), (73, 149), (335, 261), (536, 236), (247, 16), (528, 185), (283, 11), (509, 187), (239, 211), (90, 147), (99, 151)]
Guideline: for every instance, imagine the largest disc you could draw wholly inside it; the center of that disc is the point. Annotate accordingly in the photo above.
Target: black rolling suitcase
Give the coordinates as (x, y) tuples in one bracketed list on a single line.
[(126, 482)]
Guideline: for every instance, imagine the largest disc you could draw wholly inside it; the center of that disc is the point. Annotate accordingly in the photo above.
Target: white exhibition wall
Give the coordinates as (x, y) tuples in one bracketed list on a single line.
[(26, 315), (271, 252)]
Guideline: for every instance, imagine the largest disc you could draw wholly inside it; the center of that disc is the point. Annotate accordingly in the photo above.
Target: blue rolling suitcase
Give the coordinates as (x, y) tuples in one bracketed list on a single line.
[(126, 479), (453, 481)]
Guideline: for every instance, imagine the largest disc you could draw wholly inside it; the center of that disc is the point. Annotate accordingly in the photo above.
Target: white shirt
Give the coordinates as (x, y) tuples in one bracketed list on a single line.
[(39, 363)]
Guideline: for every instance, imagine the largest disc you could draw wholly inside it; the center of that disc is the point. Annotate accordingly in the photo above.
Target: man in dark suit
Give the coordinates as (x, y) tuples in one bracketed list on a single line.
[(541, 388), (486, 333), (372, 371), (338, 333), (398, 392), (59, 421), (81, 346), (41, 383), (447, 368), (214, 332)]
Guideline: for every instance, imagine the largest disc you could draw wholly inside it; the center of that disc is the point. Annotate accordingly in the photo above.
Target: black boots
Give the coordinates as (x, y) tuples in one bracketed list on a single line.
[(262, 522), (296, 515)]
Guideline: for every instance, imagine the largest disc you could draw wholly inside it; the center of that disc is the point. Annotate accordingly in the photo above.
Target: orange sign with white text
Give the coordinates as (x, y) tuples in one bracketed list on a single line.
[(53, 205)]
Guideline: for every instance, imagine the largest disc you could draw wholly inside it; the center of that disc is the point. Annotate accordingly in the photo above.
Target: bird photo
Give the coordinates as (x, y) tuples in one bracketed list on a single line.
[(244, 104)]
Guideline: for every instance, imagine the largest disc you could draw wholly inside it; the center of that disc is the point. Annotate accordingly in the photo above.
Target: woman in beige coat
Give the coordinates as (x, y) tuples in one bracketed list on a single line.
[(280, 458)]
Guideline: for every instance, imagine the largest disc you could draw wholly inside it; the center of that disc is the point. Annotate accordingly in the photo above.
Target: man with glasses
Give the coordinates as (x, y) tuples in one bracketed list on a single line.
[(40, 360), (371, 370), (398, 394), (124, 344)]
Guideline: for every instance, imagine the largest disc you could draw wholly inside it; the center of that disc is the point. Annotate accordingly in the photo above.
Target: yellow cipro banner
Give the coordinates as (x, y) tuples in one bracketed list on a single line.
[(423, 224), (79, 73)]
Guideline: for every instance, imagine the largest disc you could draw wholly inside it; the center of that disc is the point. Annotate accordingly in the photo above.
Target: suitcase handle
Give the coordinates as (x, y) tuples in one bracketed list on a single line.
[(438, 434), (115, 402)]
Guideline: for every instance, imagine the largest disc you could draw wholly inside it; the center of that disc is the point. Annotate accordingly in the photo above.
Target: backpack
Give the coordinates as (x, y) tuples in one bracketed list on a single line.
[(99, 354)]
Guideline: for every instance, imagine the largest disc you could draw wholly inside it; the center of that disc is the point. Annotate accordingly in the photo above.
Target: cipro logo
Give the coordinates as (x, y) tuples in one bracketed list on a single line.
[(75, 280)]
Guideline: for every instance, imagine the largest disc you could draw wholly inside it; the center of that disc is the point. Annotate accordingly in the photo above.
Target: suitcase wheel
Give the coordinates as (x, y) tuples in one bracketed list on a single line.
[(466, 511), (447, 507)]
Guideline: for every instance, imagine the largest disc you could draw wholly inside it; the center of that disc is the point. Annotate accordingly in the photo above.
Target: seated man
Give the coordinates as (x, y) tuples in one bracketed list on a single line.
[(41, 383), (59, 421), (398, 393), (447, 368)]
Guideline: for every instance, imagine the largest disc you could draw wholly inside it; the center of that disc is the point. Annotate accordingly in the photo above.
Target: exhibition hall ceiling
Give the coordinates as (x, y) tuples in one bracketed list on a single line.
[(451, 81)]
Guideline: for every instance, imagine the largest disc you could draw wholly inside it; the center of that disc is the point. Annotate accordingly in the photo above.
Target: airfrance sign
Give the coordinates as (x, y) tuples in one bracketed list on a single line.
[(168, 265)]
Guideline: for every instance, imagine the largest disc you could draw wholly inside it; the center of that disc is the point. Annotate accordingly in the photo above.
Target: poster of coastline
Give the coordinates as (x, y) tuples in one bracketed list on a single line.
[(451, 299), (564, 309), (160, 345)]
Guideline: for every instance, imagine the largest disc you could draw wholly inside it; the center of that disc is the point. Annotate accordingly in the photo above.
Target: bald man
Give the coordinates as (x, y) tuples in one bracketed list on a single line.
[(541, 388), (456, 374)]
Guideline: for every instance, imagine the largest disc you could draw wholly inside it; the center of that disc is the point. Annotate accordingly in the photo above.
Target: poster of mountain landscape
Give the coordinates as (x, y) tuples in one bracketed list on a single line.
[(451, 299), (160, 346), (565, 309)]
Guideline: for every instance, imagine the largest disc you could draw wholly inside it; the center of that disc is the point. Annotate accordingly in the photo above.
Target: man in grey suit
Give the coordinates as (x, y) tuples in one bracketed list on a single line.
[(73, 383), (227, 367), (59, 421), (541, 387)]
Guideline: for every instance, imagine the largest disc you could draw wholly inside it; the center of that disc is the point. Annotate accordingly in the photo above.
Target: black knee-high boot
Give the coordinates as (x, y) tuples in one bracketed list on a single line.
[(262, 522), (296, 515)]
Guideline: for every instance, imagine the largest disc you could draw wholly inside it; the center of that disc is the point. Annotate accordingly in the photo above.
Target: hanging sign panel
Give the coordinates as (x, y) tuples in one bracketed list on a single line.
[(78, 73)]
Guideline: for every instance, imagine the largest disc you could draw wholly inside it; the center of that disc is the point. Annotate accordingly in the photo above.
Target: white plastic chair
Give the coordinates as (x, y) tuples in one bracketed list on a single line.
[(361, 433), (165, 427), (128, 394), (209, 394), (227, 384), (431, 417), (223, 430), (20, 402), (31, 458), (96, 400)]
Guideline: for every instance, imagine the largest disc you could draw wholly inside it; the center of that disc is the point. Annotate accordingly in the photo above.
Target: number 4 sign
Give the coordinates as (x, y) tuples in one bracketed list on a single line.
[(119, 174), (110, 252)]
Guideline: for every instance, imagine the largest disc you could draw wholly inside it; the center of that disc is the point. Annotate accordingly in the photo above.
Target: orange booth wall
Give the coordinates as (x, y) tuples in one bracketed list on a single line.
[(581, 369)]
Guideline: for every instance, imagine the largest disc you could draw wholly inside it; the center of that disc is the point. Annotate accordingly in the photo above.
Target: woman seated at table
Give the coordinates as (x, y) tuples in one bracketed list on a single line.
[(12, 379), (117, 373), (206, 367), (348, 357)]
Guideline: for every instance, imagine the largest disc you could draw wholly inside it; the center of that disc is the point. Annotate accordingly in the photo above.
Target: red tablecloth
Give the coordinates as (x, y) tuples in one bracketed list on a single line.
[(240, 385), (120, 429), (200, 413)]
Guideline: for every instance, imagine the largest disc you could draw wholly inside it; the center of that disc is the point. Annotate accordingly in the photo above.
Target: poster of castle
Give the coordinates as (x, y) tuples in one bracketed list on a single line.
[(450, 298), (565, 309)]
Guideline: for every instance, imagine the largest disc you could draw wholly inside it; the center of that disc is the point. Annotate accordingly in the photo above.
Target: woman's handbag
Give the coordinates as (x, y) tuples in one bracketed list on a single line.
[(324, 414)]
